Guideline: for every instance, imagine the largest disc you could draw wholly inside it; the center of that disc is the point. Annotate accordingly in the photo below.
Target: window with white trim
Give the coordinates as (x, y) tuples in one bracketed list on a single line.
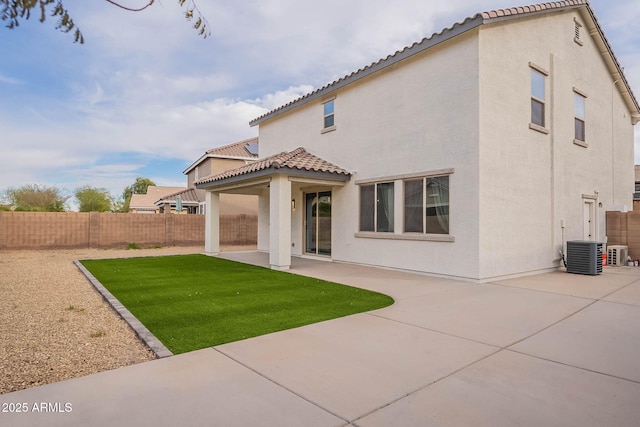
[(579, 112), (376, 207), (426, 205), (537, 98), (329, 114)]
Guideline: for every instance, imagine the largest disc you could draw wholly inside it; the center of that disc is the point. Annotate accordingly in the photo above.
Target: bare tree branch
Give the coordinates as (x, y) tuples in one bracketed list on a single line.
[(128, 8)]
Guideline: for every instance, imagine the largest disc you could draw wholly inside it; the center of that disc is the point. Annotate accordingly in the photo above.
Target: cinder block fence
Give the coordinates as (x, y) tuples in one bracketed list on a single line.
[(50, 230), (623, 228)]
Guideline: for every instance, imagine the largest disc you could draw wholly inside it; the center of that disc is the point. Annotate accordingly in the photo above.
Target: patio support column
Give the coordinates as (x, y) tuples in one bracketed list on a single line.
[(212, 224), (280, 223)]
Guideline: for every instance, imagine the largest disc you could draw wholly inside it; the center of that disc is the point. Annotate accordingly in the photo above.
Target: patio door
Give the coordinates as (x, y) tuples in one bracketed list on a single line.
[(318, 223)]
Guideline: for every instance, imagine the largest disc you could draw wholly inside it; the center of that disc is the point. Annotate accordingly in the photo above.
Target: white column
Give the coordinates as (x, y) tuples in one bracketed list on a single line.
[(280, 223), (212, 224), (263, 220)]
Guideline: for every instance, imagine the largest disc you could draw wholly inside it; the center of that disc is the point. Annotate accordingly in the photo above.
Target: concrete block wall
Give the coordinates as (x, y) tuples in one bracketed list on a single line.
[(50, 230), (623, 228)]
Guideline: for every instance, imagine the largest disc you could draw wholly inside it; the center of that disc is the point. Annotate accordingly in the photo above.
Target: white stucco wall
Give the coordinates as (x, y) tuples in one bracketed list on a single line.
[(465, 105), (416, 117), (530, 182)]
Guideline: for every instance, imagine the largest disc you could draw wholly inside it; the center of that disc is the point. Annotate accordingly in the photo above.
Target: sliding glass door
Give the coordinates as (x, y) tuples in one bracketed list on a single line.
[(318, 223)]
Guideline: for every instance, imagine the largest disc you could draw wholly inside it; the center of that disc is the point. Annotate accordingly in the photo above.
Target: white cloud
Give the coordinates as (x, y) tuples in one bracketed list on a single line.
[(10, 80), (146, 85)]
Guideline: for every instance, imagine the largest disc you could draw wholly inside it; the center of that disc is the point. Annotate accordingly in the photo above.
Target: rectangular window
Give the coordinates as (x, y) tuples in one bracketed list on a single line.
[(367, 207), (426, 205), (376, 207), (537, 98), (579, 112), (329, 116), (413, 206), (384, 207)]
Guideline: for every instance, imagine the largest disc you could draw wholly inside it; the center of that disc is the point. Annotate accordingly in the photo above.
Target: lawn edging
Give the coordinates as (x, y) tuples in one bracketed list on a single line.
[(141, 331)]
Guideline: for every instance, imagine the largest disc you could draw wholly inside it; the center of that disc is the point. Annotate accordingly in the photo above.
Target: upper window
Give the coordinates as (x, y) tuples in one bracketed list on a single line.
[(329, 116), (537, 98), (579, 112), (376, 207), (426, 205)]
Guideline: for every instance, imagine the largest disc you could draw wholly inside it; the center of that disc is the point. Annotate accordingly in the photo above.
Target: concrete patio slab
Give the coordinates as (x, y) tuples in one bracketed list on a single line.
[(509, 389), (580, 285), (491, 314), (604, 337), (436, 357), (355, 365), (202, 388), (630, 294), (396, 284)]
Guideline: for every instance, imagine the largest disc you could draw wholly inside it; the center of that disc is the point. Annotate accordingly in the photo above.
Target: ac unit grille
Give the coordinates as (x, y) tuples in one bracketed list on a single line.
[(617, 255), (584, 257)]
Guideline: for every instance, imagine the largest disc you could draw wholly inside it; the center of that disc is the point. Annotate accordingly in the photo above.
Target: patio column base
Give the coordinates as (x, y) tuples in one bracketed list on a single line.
[(280, 267)]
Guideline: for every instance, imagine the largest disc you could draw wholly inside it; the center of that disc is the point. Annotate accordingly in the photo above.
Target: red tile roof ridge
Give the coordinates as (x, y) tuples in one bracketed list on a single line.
[(296, 159), (521, 10)]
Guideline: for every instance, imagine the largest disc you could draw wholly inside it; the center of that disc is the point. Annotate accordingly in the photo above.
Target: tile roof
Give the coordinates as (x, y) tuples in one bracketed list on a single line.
[(189, 195), (444, 35), (298, 159), (147, 201), (542, 7), (237, 149)]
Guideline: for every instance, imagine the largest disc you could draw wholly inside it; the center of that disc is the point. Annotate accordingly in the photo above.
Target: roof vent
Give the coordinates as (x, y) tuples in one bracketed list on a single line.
[(577, 30)]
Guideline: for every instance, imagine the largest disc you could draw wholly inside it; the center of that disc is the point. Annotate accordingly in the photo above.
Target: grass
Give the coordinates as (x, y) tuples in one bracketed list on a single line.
[(194, 301)]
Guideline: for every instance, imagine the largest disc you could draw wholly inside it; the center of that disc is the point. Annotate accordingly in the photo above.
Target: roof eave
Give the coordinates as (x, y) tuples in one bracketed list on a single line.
[(216, 156), (418, 47), (616, 70), (270, 171)]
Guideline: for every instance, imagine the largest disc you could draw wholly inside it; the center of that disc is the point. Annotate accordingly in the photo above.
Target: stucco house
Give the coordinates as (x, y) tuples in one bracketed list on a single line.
[(191, 200), (476, 153), (145, 203)]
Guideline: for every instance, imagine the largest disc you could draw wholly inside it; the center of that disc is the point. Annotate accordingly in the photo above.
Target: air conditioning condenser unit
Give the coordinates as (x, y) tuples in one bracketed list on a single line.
[(584, 257), (617, 255)]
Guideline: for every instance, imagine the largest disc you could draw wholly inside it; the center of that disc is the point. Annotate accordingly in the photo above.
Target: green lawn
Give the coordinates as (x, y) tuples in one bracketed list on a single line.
[(194, 301)]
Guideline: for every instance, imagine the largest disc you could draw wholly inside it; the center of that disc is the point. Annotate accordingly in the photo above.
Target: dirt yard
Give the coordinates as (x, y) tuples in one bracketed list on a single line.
[(53, 324)]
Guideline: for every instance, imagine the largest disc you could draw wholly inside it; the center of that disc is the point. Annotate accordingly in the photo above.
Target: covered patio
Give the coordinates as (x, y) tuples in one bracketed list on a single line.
[(274, 180)]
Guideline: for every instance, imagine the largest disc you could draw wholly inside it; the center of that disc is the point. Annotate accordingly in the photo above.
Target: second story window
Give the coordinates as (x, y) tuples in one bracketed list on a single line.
[(329, 116), (537, 98), (579, 112)]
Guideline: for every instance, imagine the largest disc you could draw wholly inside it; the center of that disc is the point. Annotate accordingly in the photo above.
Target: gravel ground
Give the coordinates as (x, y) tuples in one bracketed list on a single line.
[(53, 324)]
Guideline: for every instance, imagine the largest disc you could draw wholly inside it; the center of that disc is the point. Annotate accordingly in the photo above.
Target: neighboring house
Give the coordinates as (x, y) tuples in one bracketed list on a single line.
[(475, 153), (192, 201), (145, 203)]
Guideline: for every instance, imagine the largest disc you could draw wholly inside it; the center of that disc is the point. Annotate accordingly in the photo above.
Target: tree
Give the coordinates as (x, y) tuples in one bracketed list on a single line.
[(93, 199), (138, 187), (36, 198), (14, 11)]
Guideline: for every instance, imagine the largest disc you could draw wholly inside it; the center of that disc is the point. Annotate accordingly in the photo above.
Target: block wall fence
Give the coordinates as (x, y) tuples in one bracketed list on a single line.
[(52, 230), (623, 228)]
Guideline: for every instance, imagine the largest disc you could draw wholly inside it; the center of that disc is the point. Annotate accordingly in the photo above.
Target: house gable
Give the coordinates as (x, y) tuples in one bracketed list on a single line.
[(593, 28)]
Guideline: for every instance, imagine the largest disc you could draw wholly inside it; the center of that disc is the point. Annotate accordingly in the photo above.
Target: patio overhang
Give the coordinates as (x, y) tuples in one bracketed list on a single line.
[(271, 177), (296, 164)]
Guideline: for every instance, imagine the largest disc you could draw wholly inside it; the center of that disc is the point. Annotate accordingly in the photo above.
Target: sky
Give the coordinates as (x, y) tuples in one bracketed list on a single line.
[(145, 96)]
